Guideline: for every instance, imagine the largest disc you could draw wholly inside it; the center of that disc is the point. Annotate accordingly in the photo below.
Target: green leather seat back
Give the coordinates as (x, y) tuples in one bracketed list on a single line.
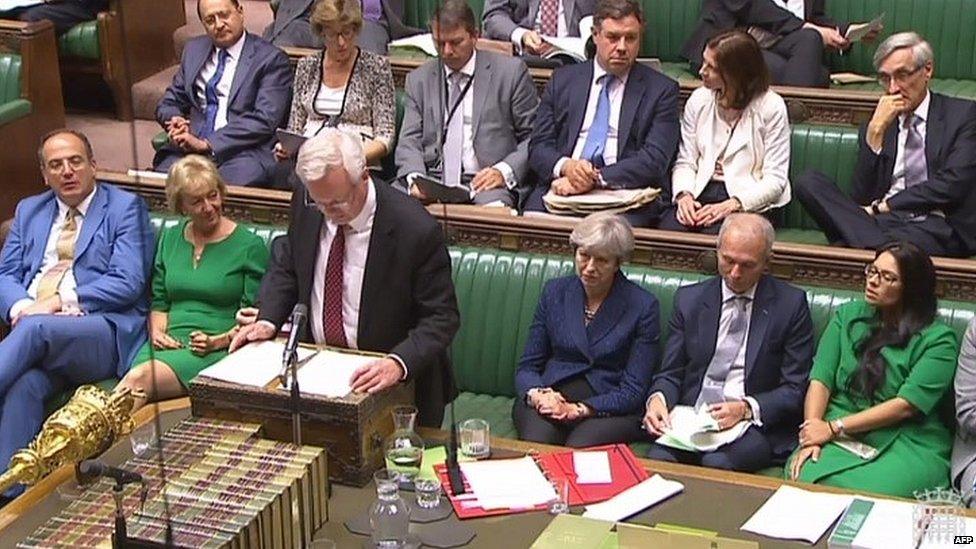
[(668, 23), (416, 13), (829, 149), (80, 41), (9, 77), (267, 233)]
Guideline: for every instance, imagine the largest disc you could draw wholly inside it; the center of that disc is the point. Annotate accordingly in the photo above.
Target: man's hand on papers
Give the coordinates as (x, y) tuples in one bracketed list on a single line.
[(487, 179), (832, 38), (728, 413), (582, 175), (376, 376), (259, 331), (870, 36), (533, 43), (810, 452), (657, 419)]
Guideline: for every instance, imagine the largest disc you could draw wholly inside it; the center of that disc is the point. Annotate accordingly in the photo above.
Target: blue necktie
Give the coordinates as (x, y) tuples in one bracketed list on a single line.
[(372, 10), (596, 137), (211, 93)]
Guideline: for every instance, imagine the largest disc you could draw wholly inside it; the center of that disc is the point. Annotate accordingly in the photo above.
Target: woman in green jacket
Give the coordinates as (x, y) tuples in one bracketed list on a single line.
[(882, 368)]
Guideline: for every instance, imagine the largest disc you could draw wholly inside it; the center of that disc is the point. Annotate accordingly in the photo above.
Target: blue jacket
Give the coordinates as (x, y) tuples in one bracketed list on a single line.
[(779, 353), (617, 352), (112, 266)]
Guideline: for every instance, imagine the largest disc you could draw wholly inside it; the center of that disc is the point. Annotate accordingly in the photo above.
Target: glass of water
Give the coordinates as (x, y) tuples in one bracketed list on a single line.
[(560, 503), (474, 437), (428, 491), (144, 439)]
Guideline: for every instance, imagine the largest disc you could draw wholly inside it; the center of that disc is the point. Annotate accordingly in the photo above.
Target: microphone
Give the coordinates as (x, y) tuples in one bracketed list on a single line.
[(299, 316), (97, 468)]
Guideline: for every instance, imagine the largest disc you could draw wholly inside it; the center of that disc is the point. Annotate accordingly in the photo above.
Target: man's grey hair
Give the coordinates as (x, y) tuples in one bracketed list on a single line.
[(921, 50), (331, 148), (604, 234), (757, 225)]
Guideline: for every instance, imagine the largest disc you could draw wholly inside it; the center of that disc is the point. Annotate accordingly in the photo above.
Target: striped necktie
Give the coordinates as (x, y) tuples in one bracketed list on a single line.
[(65, 246)]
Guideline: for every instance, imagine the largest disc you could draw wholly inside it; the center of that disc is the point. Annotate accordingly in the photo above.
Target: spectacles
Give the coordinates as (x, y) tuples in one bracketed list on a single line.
[(322, 206), (888, 277), (331, 34), (901, 75), (60, 165)]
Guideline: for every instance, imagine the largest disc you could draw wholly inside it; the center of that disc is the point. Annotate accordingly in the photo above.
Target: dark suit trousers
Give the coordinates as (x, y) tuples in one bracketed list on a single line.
[(64, 15), (43, 354), (645, 216), (847, 224), (713, 193), (797, 60), (750, 453), (590, 432)]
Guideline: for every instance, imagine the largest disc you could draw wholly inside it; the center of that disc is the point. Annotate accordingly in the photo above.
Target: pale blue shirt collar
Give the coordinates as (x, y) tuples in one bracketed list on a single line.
[(234, 52), (727, 292)]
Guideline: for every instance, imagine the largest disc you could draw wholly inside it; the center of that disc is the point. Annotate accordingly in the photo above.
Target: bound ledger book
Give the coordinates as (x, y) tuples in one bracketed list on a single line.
[(224, 487)]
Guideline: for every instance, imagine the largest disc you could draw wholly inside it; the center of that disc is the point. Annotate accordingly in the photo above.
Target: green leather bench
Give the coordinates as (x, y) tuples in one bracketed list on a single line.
[(12, 105), (497, 295)]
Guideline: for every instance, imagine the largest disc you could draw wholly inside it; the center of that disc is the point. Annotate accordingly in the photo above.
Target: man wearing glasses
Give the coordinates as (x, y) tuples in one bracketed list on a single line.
[(73, 277), (372, 266), (915, 178)]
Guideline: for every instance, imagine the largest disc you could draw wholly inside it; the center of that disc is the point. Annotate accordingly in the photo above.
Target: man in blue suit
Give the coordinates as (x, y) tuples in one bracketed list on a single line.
[(73, 277), (229, 95), (609, 123), (741, 347)]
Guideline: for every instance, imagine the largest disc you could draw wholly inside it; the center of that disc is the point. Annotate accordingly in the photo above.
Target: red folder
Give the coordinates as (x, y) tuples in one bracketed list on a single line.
[(625, 470)]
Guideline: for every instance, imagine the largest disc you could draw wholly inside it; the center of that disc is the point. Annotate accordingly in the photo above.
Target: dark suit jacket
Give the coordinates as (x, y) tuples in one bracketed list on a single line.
[(616, 353), (502, 17), (950, 152), (112, 266), (291, 25), (407, 305), (779, 353), (260, 97), (718, 16), (648, 128)]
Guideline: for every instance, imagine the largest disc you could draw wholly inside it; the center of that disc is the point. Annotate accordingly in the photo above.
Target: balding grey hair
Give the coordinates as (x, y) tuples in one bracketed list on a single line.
[(604, 234), (757, 225), (921, 50), (331, 148)]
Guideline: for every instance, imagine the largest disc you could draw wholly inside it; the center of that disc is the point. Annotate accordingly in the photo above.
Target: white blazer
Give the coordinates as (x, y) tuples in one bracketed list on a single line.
[(756, 162)]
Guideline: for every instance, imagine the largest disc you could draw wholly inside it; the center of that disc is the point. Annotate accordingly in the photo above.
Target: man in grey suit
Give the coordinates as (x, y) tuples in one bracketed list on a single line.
[(474, 110), (524, 22), (964, 448), (381, 23)]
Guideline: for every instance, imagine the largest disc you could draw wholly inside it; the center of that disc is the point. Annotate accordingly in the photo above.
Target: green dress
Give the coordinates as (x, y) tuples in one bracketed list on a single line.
[(204, 298), (912, 454)]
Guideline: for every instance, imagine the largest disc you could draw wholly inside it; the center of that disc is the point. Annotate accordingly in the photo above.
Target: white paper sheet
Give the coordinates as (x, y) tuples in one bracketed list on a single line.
[(634, 499), (592, 468), (792, 513), (422, 42), (888, 525), (507, 483), (254, 364), (856, 33), (698, 431), (328, 373)]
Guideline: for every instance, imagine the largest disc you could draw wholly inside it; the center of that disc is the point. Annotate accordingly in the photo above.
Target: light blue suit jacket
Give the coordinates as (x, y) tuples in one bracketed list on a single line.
[(113, 260)]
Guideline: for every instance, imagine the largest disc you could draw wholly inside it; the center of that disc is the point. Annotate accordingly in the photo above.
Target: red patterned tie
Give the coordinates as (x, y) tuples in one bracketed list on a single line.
[(548, 13), (335, 334)]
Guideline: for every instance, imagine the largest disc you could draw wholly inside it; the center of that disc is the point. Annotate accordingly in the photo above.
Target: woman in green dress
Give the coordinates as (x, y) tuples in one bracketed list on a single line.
[(206, 268), (882, 369)]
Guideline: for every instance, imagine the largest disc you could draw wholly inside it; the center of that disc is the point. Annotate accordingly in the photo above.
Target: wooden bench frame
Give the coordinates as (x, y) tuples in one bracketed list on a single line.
[(487, 227), (134, 42), (40, 84), (806, 105)]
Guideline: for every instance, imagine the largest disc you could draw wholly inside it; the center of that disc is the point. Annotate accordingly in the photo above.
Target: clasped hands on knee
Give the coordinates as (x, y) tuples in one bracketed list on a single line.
[(552, 404)]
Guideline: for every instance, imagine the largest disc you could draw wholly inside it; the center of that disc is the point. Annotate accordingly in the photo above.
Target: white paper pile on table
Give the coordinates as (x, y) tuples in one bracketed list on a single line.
[(634, 499), (328, 373), (600, 200), (795, 514), (254, 364), (592, 467), (507, 483)]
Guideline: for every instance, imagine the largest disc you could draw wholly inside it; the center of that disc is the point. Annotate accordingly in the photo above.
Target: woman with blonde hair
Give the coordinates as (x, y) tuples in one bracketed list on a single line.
[(206, 268)]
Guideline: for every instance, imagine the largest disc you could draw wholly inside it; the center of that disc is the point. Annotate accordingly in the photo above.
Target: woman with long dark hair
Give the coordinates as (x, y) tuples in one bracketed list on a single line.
[(882, 368)]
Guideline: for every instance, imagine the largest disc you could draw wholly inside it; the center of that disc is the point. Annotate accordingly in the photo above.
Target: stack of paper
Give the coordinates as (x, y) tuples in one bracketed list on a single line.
[(634, 499), (869, 523), (507, 483), (698, 431), (592, 468), (602, 200), (792, 513), (254, 364), (417, 42), (329, 373)]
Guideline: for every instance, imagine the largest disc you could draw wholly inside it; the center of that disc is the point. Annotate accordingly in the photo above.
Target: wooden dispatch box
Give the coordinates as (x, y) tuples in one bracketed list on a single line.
[(352, 429)]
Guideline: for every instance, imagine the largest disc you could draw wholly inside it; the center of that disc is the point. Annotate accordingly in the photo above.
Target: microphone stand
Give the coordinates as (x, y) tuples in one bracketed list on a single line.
[(120, 539), (296, 430)]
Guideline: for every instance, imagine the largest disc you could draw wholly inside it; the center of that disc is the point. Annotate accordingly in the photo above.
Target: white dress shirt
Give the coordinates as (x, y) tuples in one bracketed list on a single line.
[(616, 99), (67, 287), (796, 7), (469, 161), (353, 266), (561, 28), (226, 79)]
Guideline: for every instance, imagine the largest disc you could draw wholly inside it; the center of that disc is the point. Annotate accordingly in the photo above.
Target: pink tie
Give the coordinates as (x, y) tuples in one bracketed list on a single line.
[(548, 13), (335, 334)]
